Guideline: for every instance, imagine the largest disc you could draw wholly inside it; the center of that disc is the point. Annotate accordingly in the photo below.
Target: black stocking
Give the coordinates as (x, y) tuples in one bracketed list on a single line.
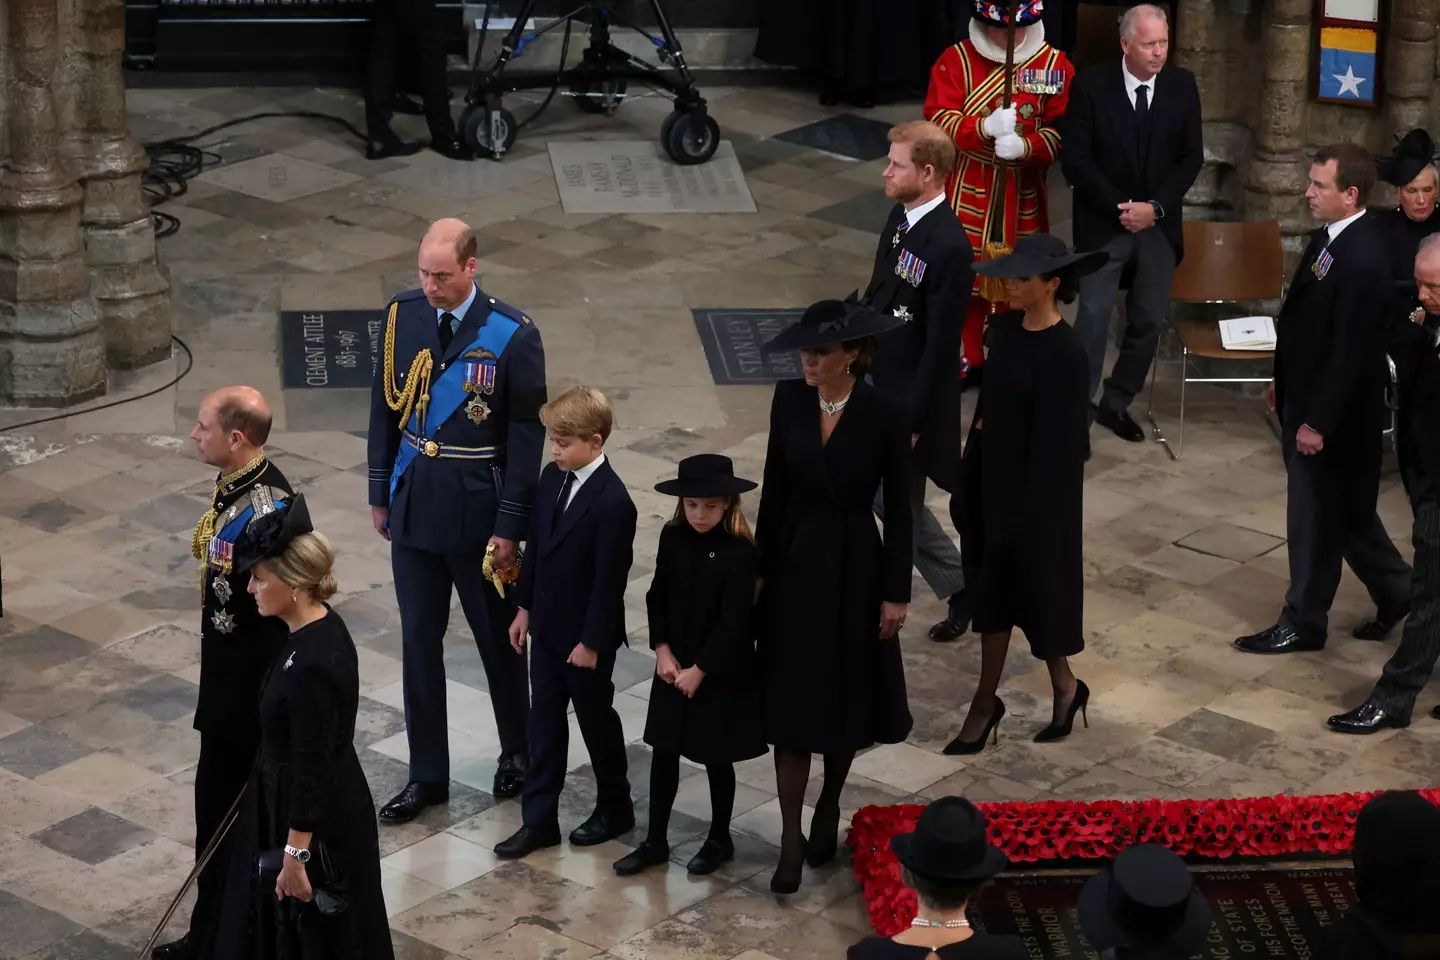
[(837, 768), (722, 799), (664, 783), (792, 770)]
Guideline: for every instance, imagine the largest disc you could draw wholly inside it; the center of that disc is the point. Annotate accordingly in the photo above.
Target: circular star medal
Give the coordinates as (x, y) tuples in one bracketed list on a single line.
[(221, 586), (477, 410)]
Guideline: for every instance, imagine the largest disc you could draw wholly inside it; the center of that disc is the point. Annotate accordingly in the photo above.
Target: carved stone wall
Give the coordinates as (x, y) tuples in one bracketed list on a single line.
[(79, 285)]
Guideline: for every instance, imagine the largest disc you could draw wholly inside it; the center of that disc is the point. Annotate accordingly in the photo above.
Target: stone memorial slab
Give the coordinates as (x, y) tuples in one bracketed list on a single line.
[(732, 340), (621, 176), (277, 177), (1261, 912), (845, 135), (330, 349)]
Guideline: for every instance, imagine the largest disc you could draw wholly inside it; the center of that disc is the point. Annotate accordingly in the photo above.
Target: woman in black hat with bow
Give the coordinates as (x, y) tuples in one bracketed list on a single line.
[(946, 861), (1019, 510), (703, 704), (1410, 169), (835, 592), (1144, 906), (304, 875)]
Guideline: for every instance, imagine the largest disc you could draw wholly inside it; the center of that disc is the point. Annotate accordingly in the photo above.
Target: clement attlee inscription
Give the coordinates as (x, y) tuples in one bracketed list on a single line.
[(332, 349)]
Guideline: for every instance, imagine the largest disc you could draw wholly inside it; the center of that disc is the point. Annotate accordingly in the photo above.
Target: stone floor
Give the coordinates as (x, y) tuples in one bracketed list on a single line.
[(98, 659)]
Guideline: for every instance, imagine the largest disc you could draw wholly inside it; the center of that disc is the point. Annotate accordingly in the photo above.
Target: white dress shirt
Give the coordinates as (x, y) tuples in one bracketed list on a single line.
[(459, 312), (913, 216), (581, 475), (1333, 229), (1133, 83)]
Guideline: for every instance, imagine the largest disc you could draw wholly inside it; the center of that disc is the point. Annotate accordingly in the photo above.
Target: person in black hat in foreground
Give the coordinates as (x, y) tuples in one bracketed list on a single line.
[(1397, 881), (702, 701), (303, 880), (945, 861), (1410, 169), (835, 592), (1019, 506), (1144, 906)]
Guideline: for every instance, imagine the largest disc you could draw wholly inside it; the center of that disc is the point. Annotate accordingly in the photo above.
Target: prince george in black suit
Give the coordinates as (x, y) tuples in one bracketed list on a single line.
[(571, 596), (1132, 150)]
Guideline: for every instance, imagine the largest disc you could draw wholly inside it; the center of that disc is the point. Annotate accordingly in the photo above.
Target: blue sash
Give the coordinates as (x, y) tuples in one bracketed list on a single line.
[(235, 527), (220, 552), (448, 393)]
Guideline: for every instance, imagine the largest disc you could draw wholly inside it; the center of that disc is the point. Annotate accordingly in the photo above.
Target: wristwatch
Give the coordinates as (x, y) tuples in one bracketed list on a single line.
[(302, 855), (1159, 210)]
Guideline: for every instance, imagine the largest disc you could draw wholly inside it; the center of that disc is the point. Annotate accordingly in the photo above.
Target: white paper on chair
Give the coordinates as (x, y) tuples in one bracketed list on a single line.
[(1248, 333)]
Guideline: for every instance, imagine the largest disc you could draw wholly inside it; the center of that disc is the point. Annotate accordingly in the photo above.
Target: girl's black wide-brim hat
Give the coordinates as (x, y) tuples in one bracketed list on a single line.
[(1041, 253), (704, 476), (948, 844), (832, 321)]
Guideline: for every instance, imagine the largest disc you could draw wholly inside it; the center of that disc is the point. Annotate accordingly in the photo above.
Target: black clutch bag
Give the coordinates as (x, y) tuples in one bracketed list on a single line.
[(326, 886)]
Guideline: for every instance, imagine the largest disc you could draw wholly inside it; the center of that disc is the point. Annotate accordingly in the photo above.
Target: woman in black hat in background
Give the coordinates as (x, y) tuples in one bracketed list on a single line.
[(1019, 510), (946, 861), (834, 591), (702, 702), (1410, 168), (304, 878), (1144, 906)]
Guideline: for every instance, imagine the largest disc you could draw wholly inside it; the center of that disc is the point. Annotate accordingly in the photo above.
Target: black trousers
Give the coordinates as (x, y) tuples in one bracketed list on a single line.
[(224, 767), (422, 587), (1410, 666), (556, 684), (408, 29)]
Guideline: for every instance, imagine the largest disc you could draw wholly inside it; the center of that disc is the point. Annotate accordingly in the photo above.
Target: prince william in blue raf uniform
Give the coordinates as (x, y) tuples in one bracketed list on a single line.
[(455, 445)]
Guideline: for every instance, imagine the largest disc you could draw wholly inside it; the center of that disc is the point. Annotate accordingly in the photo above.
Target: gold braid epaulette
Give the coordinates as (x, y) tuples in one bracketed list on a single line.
[(417, 387)]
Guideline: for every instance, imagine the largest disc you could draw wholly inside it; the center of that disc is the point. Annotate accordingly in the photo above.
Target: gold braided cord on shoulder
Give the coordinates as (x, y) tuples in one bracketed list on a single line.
[(417, 386)]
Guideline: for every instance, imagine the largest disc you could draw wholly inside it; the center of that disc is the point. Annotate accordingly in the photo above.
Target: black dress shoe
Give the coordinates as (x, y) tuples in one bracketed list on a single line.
[(863, 98), (1120, 424), (642, 857), (1277, 639), (957, 620), (600, 828), (830, 93), (385, 149), (452, 147), (410, 802), (1366, 718), (1435, 711), (510, 776), (710, 857), (527, 840), (182, 949), (1378, 628)]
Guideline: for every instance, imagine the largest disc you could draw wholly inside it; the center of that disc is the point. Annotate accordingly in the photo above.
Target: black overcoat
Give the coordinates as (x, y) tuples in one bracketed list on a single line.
[(701, 604)]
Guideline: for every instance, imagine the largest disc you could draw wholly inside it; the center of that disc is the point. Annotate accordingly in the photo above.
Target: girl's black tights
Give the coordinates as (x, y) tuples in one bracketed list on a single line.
[(665, 783)]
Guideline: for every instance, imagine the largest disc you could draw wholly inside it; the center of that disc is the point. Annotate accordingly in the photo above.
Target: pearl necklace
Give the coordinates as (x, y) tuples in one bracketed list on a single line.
[(834, 408), (947, 924)]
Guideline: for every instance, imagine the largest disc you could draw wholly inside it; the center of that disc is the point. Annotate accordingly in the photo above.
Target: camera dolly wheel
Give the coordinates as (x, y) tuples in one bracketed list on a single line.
[(690, 136), (490, 135)]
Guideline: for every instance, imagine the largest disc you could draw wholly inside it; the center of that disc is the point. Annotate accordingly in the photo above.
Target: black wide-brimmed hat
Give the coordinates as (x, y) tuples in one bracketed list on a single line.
[(1041, 253), (832, 321), (705, 475), (1145, 901), (949, 845), (1413, 153), (997, 12), (268, 536)]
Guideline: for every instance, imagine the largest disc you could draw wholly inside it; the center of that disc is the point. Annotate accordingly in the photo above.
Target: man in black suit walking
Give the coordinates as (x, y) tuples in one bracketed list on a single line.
[(1132, 150), (923, 274), (1329, 392)]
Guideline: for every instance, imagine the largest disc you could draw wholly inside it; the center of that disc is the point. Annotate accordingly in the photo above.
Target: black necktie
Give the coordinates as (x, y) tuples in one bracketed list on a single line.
[(1142, 104), (562, 501), (447, 330), (1318, 243), (1142, 127)]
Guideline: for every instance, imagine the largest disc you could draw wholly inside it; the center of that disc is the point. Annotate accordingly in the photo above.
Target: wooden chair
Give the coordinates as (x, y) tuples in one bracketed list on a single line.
[(1224, 263)]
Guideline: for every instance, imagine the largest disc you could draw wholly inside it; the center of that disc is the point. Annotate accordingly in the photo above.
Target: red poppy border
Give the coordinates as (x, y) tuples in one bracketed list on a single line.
[(1065, 830)]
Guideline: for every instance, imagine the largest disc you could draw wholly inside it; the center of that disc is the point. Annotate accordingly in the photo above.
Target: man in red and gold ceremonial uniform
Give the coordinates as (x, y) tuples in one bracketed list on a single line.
[(1004, 151)]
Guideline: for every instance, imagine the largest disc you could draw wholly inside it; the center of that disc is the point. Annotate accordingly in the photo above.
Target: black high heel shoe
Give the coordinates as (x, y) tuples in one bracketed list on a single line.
[(824, 839), (1059, 731), (787, 872), (960, 748)]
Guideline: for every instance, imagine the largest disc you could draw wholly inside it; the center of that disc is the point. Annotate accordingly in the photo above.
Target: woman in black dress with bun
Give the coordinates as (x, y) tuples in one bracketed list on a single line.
[(1023, 474), (834, 591)]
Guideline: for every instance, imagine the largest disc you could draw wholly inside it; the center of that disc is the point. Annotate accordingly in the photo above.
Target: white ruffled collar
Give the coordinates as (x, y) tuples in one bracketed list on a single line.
[(1030, 45)]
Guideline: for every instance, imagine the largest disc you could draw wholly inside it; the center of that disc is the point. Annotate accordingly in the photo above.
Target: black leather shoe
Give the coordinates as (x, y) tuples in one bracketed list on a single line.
[(527, 840), (182, 949), (646, 855), (1366, 718), (711, 856), (510, 776), (957, 620), (1435, 711), (1121, 424), (1379, 627), (452, 147), (385, 149), (1277, 639), (600, 828), (410, 802)]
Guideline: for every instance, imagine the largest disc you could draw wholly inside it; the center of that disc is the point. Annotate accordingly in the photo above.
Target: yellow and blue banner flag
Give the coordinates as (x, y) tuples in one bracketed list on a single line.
[(1347, 64)]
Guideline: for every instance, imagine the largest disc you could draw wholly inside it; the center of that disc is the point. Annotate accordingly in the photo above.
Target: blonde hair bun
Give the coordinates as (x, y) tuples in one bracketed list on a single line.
[(308, 563)]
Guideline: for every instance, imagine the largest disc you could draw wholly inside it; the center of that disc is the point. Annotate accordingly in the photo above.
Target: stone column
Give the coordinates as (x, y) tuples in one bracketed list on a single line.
[(52, 351), (1273, 177), (1409, 67), (129, 290)]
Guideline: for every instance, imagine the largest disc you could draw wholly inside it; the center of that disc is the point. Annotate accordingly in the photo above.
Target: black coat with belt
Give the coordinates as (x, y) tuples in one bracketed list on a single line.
[(918, 363), (1102, 156), (1330, 369), (700, 605)]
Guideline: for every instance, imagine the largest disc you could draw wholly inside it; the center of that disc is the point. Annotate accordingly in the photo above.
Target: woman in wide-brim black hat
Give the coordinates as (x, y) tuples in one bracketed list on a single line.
[(1144, 906), (835, 591), (1410, 168), (946, 860), (1019, 505)]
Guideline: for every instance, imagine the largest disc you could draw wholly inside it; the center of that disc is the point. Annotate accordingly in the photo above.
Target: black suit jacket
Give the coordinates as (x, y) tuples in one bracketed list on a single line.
[(573, 577), (1101, 158), (919, 363)]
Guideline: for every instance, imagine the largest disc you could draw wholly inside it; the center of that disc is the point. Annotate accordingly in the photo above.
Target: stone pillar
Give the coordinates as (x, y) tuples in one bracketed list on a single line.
[(1273, 177), (1409, 67), (52, 351), (129, 290), (1206, 45)]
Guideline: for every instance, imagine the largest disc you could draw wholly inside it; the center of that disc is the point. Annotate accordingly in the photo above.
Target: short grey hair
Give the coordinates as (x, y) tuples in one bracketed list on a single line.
[(1127, 22), (1427, 242)]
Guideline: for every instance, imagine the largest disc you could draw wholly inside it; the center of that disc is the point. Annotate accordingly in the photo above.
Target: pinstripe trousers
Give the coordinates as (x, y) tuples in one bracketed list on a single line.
[(1409, 667), (936, 556)]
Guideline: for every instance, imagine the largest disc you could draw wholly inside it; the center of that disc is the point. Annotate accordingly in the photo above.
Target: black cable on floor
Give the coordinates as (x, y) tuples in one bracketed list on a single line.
[(189, 365)]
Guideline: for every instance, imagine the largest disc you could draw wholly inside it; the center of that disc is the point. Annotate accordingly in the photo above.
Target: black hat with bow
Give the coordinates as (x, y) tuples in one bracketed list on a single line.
[(1413, 153), (267, 537), (833, 321), (1041, 253)]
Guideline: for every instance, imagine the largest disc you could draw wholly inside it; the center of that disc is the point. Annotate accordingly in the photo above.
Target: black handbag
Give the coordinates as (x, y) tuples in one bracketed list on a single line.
[(329, 891)]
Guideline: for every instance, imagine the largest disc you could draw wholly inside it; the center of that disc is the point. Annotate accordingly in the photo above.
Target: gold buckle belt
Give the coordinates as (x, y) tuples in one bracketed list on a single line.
[(450, 451)]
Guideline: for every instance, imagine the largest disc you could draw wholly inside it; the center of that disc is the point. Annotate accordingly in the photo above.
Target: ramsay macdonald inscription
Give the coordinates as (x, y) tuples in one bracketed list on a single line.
[(330, 349)]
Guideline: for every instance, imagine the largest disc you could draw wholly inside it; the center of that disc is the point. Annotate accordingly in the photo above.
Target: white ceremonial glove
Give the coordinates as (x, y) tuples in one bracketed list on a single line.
[(1009, 147), (999, 123)]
